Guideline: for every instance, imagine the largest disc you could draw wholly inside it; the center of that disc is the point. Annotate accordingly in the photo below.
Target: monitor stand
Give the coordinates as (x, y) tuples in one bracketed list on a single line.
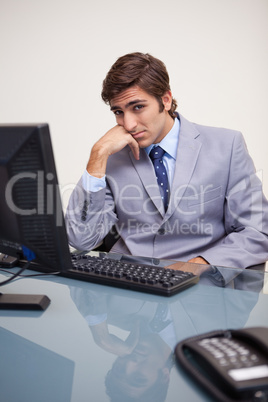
[(23, 302)]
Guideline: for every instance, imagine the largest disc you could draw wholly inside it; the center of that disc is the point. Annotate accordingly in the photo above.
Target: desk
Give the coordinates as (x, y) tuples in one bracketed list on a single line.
[(91, 335)]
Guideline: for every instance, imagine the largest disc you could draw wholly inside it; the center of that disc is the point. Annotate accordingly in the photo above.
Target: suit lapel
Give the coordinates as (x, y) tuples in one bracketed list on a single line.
[(146, 173), (187, 154)]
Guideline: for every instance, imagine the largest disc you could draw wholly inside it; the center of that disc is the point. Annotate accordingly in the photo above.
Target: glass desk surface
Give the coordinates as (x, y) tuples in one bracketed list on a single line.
[(96, 343)]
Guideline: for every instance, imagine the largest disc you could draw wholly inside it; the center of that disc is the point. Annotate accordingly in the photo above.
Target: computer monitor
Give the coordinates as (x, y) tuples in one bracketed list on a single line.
[(31, 219)]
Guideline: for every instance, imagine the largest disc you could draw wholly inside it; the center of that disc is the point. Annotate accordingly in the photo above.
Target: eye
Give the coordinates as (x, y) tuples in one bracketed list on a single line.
[(138, 107), (117, 112)]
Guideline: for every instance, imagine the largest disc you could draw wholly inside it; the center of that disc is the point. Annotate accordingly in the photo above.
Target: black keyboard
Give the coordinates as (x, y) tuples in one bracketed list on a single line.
[(130, 275)]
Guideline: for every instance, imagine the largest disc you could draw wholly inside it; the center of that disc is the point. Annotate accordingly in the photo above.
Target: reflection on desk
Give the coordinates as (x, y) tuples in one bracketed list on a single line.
[(116, 345), (141, 371)]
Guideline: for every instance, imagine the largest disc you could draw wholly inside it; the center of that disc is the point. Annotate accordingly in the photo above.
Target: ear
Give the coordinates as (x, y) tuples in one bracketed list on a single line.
[(167, 100), (165, 375)]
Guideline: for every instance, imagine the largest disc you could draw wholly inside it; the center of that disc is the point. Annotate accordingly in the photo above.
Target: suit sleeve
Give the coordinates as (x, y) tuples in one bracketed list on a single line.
[(89, 217), (245, 215)]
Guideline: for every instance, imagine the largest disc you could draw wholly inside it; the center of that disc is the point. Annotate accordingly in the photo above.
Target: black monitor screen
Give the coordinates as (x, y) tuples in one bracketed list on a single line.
[(31, 222)]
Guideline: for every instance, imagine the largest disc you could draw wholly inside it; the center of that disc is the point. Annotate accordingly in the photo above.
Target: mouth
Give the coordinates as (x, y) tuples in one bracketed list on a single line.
[(138, 134)]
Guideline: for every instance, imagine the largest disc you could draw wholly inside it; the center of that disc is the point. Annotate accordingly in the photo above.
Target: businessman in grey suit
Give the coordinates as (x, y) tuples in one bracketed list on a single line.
[(216, 213)]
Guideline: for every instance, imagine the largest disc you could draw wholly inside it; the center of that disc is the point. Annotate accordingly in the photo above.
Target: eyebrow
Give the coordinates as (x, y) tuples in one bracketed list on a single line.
[(134, 102)]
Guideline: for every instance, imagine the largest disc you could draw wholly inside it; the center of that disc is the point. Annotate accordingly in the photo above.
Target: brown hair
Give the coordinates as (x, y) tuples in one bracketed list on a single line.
[(143, 70)]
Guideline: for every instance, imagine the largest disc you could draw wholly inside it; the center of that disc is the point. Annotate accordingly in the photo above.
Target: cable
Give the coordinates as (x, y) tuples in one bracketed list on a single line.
[(8, 271), (25, 266)]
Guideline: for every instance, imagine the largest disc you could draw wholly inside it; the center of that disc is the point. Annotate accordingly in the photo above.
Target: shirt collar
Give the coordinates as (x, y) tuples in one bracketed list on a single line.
[(170, 142)]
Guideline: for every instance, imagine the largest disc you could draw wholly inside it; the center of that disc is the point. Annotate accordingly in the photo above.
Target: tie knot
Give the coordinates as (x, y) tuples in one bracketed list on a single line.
[(157, 153)]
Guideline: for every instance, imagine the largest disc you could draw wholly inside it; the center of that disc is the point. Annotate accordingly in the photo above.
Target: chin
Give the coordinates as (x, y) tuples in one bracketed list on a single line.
[(142, 144)]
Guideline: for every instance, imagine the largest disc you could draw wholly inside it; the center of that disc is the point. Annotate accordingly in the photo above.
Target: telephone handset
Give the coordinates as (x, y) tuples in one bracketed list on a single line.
[(232, 364)]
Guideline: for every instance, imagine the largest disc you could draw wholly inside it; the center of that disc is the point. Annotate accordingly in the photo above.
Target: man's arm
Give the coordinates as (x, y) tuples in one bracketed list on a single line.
[(245, 215), (90, 213), (112, 142)]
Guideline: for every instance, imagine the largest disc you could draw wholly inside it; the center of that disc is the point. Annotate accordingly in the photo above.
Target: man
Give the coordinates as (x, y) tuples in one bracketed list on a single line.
[(212, 210)]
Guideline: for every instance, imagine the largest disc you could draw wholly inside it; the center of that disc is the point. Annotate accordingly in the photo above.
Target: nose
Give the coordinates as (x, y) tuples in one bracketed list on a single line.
[(130, 122)]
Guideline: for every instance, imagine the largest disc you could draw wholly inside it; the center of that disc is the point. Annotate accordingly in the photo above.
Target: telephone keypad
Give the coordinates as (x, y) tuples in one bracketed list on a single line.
[(229, 353)]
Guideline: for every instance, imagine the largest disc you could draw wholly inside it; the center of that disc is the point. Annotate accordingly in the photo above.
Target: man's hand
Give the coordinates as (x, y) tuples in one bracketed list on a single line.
[(112, 142), (198, 260), (197, 266), (112, 343)]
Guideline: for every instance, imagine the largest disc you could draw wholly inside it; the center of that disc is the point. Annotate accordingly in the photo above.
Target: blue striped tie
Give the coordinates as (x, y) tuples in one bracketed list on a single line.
[(156, 156)]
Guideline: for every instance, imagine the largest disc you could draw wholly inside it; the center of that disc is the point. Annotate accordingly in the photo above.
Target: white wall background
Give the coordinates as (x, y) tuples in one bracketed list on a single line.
[(54, 55)]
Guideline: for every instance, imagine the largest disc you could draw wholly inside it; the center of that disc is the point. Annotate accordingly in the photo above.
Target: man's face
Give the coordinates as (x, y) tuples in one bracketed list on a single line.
[(139, 114), (135, 373)]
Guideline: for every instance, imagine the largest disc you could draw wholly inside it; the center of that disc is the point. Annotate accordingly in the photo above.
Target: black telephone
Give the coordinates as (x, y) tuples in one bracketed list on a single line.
[(232, 365)]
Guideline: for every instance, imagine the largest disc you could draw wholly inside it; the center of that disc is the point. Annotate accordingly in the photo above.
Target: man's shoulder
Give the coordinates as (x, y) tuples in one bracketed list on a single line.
[(208, 133), (212, 130)]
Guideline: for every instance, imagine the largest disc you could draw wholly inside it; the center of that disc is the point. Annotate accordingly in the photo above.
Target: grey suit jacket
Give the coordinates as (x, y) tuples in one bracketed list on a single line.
[(217, 209)]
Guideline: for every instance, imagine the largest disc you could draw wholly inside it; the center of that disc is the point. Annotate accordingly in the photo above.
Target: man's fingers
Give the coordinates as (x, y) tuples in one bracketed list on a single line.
[(134, 146)]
